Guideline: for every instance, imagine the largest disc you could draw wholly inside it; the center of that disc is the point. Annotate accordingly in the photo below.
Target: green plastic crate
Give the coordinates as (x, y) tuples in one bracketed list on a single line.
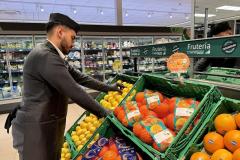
[(123, 77), (73, 147), (208, 95), (108, 129), (221, 72), (226, 105)]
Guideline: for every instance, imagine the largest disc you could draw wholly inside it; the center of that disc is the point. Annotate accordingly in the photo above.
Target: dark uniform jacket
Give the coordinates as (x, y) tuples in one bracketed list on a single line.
[(38, 128)]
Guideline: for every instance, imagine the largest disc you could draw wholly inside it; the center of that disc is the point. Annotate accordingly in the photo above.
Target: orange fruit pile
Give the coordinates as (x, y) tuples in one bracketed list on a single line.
[(224, 143)]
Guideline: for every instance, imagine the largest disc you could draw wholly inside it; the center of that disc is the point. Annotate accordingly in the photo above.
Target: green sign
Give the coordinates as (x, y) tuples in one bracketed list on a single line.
[(214, 47)]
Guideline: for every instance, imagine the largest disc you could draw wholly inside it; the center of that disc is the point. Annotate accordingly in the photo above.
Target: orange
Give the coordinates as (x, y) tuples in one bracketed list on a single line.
[(232, 140), (200, 156), (237, 119), (162, 110), (222, 154), (224, 123), (172, 104), (118, 157), (109, 155), (137, 129), (180, 122), (236, 154), (140, 97), (145, 136), (213, 141), (103, 151), (170, 121), (113, 147)]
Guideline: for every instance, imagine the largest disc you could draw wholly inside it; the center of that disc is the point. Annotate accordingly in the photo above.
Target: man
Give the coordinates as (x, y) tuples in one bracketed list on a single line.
[(218, 30), (38, 128)]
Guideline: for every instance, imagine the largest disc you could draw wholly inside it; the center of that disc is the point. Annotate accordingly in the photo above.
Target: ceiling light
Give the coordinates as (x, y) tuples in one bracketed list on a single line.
[(126, 14), (229, 8), (203, 15), (41, 9), (74, 11)]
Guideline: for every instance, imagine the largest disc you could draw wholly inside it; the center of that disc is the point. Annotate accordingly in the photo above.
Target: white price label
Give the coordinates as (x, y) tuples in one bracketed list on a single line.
[(184, 112), (162, 136), (133, 114), (153, 99)]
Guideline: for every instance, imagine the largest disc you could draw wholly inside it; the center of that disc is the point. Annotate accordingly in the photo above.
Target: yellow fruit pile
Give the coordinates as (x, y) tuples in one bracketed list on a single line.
[(65, 152), (84, 130), (112, 99)]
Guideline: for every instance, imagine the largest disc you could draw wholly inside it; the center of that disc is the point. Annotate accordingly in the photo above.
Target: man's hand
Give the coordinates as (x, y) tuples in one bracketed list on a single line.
[(117, 87)]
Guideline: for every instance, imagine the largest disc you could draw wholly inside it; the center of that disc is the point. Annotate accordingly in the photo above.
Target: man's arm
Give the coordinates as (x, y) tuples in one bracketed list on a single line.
[(88, 81), (56, 74)]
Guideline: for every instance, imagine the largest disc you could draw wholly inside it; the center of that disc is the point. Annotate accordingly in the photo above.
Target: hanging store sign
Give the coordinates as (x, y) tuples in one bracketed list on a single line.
[(213, 47)]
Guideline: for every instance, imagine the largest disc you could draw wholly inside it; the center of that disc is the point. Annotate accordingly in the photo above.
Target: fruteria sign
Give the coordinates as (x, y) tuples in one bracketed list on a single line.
[(213, 47)]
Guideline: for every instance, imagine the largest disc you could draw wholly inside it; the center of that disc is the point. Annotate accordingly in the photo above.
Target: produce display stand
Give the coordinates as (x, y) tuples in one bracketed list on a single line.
[(203, 86)]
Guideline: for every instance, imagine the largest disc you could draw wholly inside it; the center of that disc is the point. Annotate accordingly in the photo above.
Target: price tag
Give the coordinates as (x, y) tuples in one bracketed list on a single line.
[(153, 99), (162, 136), (184, 112), (133, 114)]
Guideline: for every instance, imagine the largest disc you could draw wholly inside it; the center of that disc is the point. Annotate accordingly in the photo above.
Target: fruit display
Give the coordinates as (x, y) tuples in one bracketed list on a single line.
[(84, 130), (113, 148), (113, 98), (223, 143), (155, 118), (65, 152)]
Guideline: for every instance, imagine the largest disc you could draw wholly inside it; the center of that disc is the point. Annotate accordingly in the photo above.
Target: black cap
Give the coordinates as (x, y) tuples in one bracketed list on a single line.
[(220, 27), (61, 19)]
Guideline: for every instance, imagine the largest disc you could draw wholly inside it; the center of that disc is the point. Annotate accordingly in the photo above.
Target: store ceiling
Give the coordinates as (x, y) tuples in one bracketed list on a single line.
[(135, 12)]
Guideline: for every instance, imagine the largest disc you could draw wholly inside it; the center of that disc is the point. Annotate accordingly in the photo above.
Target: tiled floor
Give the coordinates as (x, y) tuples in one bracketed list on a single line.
[(6, 150)]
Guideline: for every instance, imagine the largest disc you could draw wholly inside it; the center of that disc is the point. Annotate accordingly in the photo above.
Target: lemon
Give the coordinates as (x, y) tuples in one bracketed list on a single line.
[(119, 81), (65, 150), (73, 133), (77, 143), (79, 147), (86, 133), (88, 119), (79, 132), (65, 145), (68, 155), (96, 137), (106, 97), (78, 128), (62, 155), (88, 136), (83, 125), (124, 94), (92, 129)]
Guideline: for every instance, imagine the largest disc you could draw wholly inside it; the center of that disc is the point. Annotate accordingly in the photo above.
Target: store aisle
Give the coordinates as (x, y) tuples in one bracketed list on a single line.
[(6, 150)]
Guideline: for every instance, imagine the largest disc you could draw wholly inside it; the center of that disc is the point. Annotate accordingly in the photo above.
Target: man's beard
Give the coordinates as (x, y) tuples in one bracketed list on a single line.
[(64, 48)]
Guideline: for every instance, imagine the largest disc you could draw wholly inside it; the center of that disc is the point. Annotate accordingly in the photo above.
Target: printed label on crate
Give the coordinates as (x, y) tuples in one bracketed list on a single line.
[(95, 148), (184, 112), (133, 114), (162, 136), (153, 99), (126, 152)]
